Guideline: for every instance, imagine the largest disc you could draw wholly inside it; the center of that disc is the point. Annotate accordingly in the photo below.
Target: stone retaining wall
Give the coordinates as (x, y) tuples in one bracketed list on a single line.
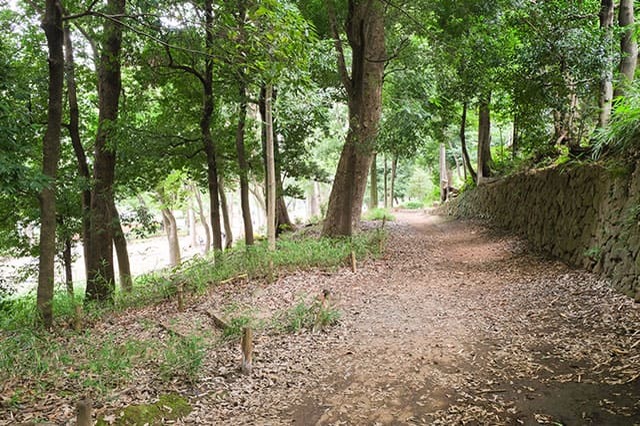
[(588, 216)]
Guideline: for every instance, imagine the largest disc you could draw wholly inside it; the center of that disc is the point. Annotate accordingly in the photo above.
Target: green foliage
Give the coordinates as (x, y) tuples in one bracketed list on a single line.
[(182, 358), (309, 316), (413, 205), (623, 132), (379, 214), (593, 253)]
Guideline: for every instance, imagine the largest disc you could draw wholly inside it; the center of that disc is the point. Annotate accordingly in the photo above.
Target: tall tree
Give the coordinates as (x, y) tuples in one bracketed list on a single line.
[(52, 26), (606, 81), (100, 276), (628, 45), (366, 36)]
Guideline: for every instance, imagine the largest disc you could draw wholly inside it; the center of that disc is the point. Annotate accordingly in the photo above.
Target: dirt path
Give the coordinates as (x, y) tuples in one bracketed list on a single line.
[(452, 326)]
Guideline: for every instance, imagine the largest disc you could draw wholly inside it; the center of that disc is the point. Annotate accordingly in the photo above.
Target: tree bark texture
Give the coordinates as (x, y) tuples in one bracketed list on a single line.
[(606, 79), (52, 26), (373, 189), (271, 171), (205, 128), (283, 222), (67, 260), (484, 139), (243, 164), (76, 142), (171, 228), (122, 253), (628, 45), (101, 276), (228, 233), (203, 218), (463, 142), (392, 185), (366, 36)]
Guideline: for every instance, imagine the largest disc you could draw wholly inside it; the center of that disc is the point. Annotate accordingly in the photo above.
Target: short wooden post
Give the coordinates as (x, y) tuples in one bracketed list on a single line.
[(180, 297), (353, 261), (77, 320), (247, 350), (84, 413)]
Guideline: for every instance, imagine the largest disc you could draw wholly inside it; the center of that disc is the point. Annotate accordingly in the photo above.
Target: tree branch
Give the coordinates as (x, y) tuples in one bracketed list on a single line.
[(342, 67)]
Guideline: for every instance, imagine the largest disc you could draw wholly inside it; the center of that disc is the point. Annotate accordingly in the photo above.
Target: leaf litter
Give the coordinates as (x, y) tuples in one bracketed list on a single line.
[(453, 325)]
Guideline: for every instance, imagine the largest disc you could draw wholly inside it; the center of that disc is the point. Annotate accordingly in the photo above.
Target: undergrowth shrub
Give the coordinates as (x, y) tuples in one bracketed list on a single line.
[(379, 214)]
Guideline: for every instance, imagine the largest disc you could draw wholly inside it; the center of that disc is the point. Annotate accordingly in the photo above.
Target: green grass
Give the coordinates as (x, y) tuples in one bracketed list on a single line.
[(310, 316), (34, 361), (413, 205), (379, 214)]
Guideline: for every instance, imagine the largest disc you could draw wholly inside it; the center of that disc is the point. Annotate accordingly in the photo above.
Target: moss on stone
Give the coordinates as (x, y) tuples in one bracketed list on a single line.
[(168, 407)]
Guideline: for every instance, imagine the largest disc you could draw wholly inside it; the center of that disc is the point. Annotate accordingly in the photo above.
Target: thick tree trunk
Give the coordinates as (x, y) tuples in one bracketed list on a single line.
[(171, 228), (101, 276), (243, 165), (203, 219), (271, 171), (463, 142), (122, 253), (78, 148), (228, 239), (606, 79), (365, 33), (628, 45), (373, 183), (52, 26), (484, 139)]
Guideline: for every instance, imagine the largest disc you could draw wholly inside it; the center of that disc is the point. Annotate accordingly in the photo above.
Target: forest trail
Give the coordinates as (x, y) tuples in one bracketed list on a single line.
[(454, 325)]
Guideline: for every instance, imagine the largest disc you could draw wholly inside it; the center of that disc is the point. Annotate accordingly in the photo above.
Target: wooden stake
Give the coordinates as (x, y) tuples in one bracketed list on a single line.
[(271, 272), (353, 261), (247, 350), (77, 321), (180, 298), (84, 413)]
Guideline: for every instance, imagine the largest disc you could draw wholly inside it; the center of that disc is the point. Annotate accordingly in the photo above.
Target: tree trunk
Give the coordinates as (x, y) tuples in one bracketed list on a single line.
[(463, 142), (365, 33), (122, 253), (606, 79), (78, 148), (444, 177), (205, 129), (101, 276), (314, 200), (271, 171), (484, 139), (373, 199), (243, 165), (628, 45), (67, 259), (52, 26), (191, 218), (386, 181), (283, 222), (392, 186), (203, 218), (228, 239), (515, 141), (171, 228)]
